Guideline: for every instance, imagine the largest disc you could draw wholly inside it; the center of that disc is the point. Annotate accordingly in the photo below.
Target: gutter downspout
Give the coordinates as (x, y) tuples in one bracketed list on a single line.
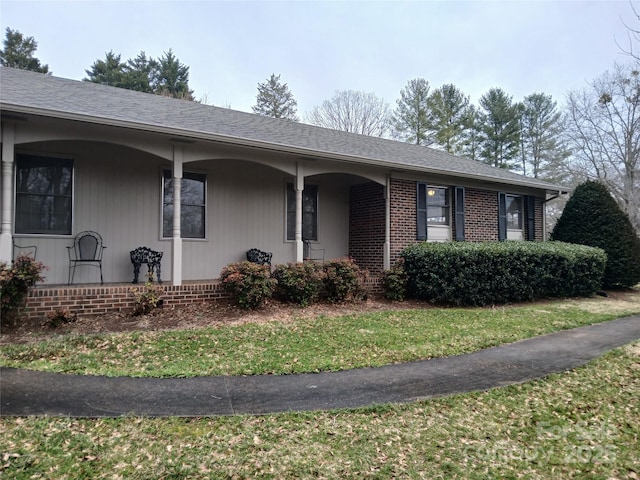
[(544, 212)]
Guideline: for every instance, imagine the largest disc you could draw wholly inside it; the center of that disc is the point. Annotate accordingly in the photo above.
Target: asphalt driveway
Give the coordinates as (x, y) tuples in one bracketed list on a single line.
[(24, 392)]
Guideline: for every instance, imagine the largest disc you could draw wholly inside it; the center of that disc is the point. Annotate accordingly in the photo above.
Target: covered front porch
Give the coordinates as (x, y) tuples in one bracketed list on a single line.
[(202, 204)]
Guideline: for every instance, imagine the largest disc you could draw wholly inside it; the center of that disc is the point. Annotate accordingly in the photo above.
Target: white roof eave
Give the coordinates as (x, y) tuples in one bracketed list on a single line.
[(259, 144)]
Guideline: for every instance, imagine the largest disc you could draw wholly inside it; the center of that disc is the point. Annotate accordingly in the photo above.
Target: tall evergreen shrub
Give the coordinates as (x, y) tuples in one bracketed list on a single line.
[(592, 217)]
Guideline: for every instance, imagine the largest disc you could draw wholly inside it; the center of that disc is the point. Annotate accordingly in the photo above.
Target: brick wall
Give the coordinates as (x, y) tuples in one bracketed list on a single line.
[(403, 230), (481, 215), (367, 226), (366, 246), (114, 298), (539, 219)]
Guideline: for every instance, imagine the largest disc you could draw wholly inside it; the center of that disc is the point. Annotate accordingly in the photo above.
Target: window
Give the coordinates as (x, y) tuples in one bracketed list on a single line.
[(510, 217), (192, 205), (309, 212), (514, 212), (44, 195), (432, 208)]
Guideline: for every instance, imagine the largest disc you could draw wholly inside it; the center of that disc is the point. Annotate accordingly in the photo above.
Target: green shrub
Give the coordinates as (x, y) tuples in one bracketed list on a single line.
[(394, 281), (60, 316), (147, 298), (592, 217), (249, 284), (15, 281), (299, 283), (476, 274), (344, 280)]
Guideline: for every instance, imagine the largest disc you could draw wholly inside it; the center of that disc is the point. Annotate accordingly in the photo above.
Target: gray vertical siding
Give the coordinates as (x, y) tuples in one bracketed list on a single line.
[(118, 193)]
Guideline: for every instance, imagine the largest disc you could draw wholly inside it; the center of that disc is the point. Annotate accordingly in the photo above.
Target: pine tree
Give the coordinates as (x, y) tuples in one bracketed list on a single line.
[(140, 72), (541, 145), (592, 217), (449, 109), (18, 52), (172, 77), (412, 118), (500, 129), (275, 100), (110, 71)]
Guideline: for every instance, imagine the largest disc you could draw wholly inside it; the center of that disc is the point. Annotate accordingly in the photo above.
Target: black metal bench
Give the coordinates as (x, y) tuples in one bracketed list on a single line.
[(258, 256), (145, 255)]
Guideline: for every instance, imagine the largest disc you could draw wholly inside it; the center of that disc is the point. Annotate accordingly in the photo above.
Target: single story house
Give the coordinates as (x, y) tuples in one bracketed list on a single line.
[(204, 184)]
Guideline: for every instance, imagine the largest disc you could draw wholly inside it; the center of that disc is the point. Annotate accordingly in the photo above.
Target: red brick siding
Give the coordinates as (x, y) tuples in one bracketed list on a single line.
[(117, 298), (480, 215), (367, 226), (403, 230), (539, 216)]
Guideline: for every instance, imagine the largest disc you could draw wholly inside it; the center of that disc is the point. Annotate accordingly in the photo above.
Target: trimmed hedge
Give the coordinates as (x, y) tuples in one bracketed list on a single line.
[(344, 280), (477, 274), (249, 284), (300, 283), (592, 217)]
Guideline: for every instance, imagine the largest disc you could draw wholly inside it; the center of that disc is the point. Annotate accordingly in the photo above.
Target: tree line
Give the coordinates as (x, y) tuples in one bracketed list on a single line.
[(596, 135)]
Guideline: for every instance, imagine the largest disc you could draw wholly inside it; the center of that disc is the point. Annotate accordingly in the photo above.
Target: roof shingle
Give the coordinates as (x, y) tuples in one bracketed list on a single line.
[(24, 91)]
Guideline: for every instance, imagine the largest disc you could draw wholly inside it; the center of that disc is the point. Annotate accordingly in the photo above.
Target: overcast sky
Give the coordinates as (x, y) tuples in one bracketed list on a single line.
[(322, 46)]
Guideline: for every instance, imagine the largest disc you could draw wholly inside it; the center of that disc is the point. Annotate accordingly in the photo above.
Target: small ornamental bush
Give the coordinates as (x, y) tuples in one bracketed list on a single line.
[(344, 280), (394, 281), (60, 316), (592, 217), (147, 298), (476, 274), (249, 284), (299, 283), (15, 281)]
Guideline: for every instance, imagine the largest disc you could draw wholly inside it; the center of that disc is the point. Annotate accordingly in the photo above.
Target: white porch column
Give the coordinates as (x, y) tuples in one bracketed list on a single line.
[(6, 239), (386, 256), (176, 242), (299, 187)]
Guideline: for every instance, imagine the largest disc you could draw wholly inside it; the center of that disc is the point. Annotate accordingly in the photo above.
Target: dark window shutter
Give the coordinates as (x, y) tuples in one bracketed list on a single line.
[(421, 211), (459, 213), (502, 216), (531, 218)]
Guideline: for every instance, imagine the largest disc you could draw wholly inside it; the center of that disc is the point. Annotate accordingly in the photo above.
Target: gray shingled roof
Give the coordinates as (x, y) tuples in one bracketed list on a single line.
[(28, 92)]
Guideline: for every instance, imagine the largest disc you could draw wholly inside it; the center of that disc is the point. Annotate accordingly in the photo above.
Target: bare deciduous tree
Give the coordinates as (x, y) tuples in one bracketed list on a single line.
[(603, 132), (633, 37), (353, 111)]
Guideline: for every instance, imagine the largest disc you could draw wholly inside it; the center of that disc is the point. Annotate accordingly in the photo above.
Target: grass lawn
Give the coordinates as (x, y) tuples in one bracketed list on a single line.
[(578, 424), (308, 345)]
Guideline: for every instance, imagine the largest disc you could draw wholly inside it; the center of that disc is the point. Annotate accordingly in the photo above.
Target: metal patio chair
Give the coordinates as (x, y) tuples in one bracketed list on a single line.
[(258, 256), (24, 250), (311, 253), (87, 249)]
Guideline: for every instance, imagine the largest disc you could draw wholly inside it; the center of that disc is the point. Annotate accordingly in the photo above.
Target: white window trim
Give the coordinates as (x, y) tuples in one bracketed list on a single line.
[(516, 233), (15, 195), (206, 205), (438, 232)]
